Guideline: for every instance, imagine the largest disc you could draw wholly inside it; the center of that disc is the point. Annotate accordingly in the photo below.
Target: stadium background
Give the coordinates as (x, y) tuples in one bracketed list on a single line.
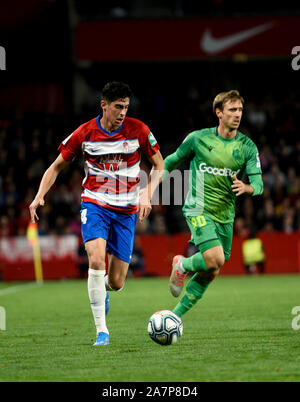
[(59, 54)]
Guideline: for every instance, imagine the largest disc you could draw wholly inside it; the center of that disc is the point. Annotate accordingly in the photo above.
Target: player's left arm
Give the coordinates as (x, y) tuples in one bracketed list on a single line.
[(254, 173), (144, 207), (255, 187)]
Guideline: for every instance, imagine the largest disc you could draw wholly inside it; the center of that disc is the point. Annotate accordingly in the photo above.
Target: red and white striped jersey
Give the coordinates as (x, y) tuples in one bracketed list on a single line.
[(111, 161)]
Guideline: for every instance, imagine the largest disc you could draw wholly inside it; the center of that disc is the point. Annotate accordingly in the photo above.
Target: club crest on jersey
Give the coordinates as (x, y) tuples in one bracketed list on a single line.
[(125, 146), (236, 154)]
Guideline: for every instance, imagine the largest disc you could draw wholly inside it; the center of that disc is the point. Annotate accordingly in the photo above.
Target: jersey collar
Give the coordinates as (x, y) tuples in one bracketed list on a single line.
[(226, 139), (103, 129)]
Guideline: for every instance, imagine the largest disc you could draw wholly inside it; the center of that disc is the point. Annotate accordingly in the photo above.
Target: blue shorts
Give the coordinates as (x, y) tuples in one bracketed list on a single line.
[(116, 228)]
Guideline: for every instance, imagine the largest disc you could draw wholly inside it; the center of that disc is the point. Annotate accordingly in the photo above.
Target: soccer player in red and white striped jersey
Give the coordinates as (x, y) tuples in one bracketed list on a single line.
[(111, 145)]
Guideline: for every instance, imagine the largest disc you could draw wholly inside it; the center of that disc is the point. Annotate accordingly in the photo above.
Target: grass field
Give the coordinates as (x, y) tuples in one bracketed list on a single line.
[(240, 331)]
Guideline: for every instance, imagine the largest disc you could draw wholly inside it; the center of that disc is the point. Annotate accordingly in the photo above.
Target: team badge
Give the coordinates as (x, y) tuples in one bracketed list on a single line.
[(236, 153), (125, 147)]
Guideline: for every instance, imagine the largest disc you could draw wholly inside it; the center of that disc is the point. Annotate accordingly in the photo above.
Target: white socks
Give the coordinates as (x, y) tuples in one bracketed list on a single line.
[(97, 294)]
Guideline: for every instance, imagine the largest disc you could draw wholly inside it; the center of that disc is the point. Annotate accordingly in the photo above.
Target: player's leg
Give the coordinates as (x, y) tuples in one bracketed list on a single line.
[(96, 250), (119, 249), (117, 271), (181, 266), (214, 259), (204, 236), (95, 226)]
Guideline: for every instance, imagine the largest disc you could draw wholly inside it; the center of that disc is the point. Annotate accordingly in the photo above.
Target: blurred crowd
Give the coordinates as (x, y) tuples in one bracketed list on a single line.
[(179, 8), (29, 141)]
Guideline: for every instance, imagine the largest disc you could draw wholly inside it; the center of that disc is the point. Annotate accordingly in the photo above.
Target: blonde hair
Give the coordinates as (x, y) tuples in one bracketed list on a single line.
[(223, 97)]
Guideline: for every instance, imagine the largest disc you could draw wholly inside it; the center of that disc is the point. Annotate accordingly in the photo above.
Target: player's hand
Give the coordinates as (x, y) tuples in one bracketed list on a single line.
[(144, 206), (33, 207), (238, 187)]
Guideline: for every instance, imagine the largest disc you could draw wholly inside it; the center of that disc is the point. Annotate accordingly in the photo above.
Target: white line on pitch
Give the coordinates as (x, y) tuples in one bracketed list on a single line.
[(17, 288)]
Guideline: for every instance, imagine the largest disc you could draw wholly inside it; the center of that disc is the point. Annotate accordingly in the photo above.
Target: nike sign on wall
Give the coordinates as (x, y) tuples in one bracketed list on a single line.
[(213, 45)]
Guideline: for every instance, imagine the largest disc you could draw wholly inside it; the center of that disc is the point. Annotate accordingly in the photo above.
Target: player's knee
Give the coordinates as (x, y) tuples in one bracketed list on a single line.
[(96, 262), (214, 263), (116, 283)]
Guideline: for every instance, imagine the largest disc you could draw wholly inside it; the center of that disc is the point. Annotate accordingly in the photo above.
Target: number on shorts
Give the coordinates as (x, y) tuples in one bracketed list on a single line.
[(83, 216), (198, 221)]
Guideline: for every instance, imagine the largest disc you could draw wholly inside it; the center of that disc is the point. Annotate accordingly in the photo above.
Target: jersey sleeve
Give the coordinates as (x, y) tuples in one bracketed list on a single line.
[(183, 152), (148, 143), (253, 169), (71, 146), (257, 184), (253, 162)]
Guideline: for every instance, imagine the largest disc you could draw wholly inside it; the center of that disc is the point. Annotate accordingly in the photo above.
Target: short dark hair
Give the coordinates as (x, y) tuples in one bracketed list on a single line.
[(116, 90), (223, 97)]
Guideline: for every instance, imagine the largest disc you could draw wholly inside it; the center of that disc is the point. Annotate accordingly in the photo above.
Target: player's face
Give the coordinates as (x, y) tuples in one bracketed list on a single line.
[(115, 111), (231, 114)]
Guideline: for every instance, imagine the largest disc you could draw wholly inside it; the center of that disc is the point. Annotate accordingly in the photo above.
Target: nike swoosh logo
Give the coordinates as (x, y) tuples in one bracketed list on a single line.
[(213, 45)]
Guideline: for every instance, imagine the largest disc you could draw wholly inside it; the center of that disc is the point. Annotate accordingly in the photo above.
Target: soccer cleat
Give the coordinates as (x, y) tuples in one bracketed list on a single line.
[(102, 339), (107, 305), (178, 276)]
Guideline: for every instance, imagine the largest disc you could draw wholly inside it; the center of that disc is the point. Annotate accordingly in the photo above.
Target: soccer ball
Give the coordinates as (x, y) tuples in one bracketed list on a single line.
[(165, 327)]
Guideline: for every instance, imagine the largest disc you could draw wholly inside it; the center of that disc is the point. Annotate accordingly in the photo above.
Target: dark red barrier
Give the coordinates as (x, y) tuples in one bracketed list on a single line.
[(58, 268), (60, 256), (282, 253)]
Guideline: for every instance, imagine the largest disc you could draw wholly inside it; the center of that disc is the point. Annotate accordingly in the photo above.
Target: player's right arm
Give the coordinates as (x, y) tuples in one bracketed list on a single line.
[(183, 152), (68, 149), (47, 181)]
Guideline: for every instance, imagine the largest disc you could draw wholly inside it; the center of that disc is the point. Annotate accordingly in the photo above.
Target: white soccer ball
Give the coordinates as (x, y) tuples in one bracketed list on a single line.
[(165, 327)]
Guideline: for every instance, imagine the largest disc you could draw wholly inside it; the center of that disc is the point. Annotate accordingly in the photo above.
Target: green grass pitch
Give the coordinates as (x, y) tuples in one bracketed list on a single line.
[(240, 331)]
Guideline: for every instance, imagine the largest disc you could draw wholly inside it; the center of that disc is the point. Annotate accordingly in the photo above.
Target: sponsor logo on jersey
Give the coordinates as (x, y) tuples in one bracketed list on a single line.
[(112, 162), (217, 171)]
